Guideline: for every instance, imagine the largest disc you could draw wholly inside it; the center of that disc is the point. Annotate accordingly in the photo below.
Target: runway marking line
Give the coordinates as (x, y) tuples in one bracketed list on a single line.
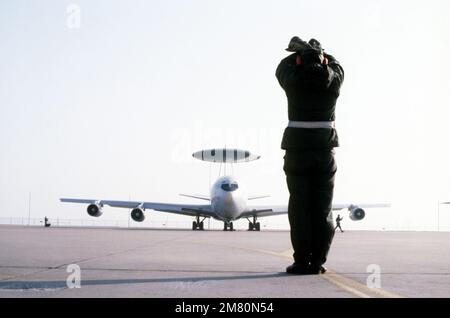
[(350, 285)]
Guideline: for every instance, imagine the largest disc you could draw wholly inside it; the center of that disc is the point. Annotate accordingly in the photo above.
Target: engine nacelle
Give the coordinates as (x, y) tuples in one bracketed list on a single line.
[(137, 215), (357, 214), (94, 210)]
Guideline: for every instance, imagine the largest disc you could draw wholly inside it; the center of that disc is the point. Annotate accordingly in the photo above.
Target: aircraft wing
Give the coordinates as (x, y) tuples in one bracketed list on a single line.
[(350, 206), (261, 211), (182, 209)]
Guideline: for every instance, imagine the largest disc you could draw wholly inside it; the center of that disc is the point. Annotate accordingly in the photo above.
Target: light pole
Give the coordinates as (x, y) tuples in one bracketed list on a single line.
[(438, 214), (29, 208), (439, 207)]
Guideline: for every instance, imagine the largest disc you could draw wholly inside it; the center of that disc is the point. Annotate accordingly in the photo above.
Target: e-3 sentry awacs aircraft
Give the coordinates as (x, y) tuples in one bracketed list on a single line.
[(227, 201)]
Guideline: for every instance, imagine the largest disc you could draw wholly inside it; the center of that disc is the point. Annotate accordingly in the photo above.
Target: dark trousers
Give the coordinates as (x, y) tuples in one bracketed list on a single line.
[(310, 179)]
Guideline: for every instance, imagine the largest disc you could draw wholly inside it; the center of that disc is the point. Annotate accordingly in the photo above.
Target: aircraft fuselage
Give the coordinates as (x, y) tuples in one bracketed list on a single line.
[(228, 199)]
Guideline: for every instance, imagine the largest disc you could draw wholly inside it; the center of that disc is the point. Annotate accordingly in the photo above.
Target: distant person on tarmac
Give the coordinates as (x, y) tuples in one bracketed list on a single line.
[(46, 223), (311, 80), (338, 223)]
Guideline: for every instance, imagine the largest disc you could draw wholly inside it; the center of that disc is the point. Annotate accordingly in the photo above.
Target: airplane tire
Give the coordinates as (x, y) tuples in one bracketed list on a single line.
[(225, 226), (194, 226), (258, 226), (201, 227), (231, 226), (250, 226)]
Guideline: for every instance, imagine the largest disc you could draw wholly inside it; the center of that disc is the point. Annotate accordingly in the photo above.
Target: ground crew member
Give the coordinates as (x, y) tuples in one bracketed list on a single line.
[(311, 80), (338, 223)]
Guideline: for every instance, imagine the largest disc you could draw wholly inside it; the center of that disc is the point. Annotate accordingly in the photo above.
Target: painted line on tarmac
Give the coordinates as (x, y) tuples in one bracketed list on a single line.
[(350, 285), (356, 287)]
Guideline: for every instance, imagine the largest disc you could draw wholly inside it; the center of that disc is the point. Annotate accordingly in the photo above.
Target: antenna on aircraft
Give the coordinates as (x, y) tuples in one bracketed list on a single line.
[(225, 155)]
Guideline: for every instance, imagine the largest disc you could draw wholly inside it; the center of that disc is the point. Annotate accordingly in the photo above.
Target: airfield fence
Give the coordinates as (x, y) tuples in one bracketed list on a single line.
[(444, 226)]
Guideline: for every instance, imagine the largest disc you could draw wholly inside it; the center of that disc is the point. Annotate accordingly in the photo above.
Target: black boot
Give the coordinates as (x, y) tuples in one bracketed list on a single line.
[(301, 269), (297, 269)]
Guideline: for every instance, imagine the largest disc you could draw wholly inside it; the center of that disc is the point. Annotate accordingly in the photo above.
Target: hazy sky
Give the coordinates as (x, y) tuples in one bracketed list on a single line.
[(112, 105)]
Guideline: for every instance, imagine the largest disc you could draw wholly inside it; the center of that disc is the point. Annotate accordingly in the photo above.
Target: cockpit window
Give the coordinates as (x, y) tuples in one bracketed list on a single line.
[(229, 186)]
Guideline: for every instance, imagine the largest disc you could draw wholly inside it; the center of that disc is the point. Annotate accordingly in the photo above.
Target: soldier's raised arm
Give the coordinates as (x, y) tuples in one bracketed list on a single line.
[(336, 73)]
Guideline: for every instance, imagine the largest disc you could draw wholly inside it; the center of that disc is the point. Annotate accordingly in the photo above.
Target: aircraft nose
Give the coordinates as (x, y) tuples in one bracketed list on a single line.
[(228, 197)]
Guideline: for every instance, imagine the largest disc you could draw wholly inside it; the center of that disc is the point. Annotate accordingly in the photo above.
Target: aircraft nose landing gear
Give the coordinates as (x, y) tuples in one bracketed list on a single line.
[(228, 226)]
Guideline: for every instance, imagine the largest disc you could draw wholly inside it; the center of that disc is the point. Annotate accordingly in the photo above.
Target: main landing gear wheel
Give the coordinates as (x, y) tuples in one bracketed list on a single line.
[(197, 225), (254, 226)]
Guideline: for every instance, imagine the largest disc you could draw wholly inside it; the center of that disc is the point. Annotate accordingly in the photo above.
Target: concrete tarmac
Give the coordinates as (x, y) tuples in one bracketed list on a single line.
[(189, 264)]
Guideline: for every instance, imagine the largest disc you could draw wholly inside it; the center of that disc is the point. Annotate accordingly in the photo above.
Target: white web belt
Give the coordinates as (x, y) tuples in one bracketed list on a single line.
[(311, 124)]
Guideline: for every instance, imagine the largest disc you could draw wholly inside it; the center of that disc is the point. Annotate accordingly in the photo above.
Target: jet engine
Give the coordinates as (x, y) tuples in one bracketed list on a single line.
[(94, 210), (137, 215), (356, 213)]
